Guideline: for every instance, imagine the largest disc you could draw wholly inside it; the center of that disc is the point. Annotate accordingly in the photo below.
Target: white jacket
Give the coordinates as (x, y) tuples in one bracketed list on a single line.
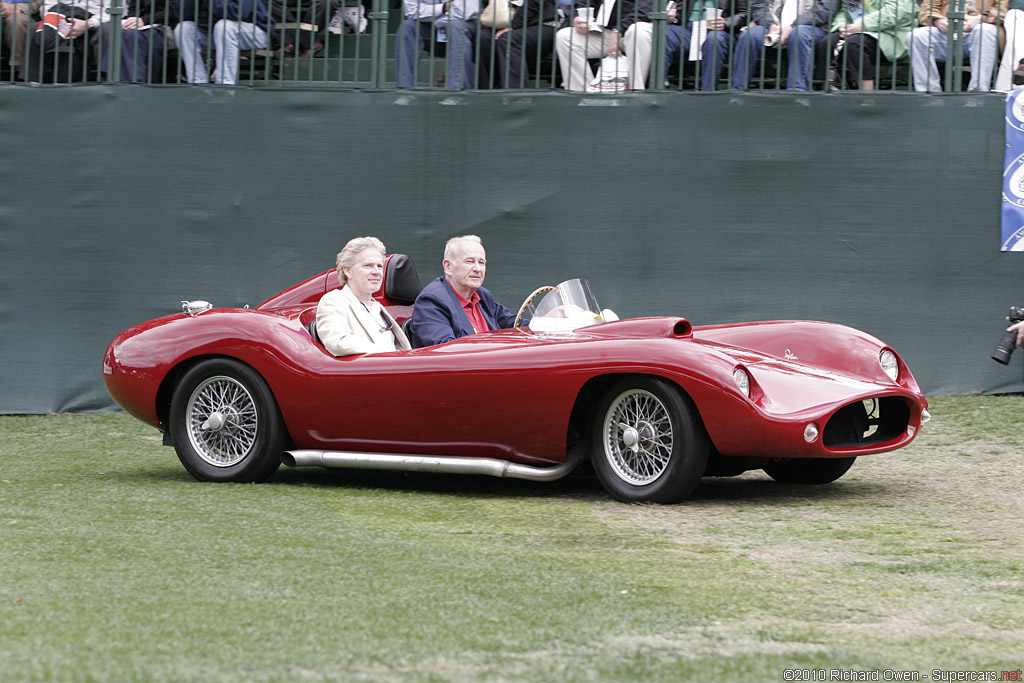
[(346, 328)]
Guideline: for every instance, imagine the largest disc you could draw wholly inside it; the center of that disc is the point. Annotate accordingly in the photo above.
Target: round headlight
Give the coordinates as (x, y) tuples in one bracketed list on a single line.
[(811, 433), (887, 360), (742, 380)]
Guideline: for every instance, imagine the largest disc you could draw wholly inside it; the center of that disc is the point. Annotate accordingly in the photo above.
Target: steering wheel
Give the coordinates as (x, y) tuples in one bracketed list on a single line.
[(522, 309)]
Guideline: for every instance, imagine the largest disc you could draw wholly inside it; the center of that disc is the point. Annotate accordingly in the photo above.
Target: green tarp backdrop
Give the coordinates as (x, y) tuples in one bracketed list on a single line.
[(877, 212)]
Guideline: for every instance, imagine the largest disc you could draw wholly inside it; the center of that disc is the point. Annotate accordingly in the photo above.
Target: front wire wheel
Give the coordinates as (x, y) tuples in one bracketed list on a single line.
[(638, 437), (649, 442), (222, 421), (225, 423)]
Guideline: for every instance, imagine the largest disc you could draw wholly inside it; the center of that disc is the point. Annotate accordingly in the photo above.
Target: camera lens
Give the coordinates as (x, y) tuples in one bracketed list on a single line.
[(1005, 348)]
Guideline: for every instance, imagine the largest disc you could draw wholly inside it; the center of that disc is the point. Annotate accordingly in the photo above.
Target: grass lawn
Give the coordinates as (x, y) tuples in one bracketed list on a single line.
[(115, 565)]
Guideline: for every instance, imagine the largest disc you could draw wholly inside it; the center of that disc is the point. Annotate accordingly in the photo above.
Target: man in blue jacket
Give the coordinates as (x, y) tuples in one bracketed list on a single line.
[(457, 304)]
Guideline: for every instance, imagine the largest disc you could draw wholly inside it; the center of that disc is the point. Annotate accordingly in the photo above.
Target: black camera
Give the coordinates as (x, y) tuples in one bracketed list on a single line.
[(1009, 341)]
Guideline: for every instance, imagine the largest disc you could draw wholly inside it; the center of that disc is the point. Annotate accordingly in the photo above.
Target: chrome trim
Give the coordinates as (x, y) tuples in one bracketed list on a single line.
[(426, 463), (194, 308)]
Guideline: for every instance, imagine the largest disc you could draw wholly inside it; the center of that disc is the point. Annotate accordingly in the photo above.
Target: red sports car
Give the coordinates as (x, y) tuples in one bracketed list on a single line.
[(653, 403)]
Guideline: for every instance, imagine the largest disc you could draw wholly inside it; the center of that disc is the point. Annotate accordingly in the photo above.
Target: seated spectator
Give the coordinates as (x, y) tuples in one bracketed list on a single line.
[(238, 25), (858, 34), (771, 27), (595, 37), (143, 42), (457, 304), (1011, 67), (297, 41), (58, 48), (349, 13), (451, 21), (640, 36), (981, 42), (16, 17), (506, 55), (349, 320)]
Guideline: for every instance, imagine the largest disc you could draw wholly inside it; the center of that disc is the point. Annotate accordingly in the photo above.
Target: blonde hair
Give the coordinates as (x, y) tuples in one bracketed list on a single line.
[(347, 256)]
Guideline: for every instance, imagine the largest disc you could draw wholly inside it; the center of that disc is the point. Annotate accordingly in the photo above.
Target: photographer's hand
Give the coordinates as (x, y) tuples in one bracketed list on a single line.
[(1019, 329)]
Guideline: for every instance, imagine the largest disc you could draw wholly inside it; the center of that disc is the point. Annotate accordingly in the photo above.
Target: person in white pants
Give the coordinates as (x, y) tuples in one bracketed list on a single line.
[(231, 35), (590, 39), (1013, 53), (927, 43)]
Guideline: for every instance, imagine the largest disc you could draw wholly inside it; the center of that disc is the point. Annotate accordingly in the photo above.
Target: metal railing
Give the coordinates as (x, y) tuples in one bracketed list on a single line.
[(417, 44)]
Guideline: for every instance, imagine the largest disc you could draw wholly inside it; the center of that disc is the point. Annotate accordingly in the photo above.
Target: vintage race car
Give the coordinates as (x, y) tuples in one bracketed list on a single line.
[(653, 403)]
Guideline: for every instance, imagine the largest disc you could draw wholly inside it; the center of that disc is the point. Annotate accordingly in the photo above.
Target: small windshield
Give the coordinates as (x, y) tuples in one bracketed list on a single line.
[(564, 308)]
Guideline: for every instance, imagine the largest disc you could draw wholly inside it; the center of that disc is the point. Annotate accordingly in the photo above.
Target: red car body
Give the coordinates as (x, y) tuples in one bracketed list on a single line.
[(522, 397)]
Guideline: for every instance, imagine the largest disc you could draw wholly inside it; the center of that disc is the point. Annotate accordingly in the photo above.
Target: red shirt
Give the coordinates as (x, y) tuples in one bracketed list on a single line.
[(473, 312)]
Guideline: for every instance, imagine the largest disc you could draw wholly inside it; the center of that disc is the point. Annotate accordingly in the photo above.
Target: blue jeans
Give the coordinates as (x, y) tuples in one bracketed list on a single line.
[(415, 36), (800, 46), (713, 51), (801, 55)]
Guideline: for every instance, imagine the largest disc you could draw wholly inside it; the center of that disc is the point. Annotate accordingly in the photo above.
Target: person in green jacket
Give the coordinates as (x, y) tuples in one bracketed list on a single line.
[(861, 31)]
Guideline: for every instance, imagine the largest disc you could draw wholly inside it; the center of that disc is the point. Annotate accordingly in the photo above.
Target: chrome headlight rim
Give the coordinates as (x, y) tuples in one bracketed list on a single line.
[(742, 381), (889, 364)]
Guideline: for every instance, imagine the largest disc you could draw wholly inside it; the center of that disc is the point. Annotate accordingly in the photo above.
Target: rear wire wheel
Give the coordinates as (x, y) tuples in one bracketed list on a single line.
[(225, 423), (649, 443)]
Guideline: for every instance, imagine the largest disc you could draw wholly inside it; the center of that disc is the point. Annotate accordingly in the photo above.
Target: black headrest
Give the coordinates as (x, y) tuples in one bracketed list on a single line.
[(401, 284)]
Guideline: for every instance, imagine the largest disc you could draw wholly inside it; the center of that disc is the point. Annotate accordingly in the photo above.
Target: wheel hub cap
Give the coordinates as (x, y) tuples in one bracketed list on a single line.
[(214, 423), (630, 437)]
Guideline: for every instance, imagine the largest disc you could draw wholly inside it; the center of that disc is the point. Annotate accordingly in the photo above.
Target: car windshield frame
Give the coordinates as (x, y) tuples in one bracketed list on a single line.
[(564, 308)]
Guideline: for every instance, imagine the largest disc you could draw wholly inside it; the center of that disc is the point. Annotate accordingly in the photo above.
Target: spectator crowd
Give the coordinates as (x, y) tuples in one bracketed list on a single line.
[(598, 46)]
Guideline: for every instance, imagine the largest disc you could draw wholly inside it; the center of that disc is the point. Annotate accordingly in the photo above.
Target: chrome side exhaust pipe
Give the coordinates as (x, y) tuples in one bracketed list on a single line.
[(490, 467)]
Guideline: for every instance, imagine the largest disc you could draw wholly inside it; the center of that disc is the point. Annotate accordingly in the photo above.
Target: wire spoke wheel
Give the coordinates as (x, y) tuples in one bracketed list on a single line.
[(222, 421), (225, 423), (639, 436), (649, 443)]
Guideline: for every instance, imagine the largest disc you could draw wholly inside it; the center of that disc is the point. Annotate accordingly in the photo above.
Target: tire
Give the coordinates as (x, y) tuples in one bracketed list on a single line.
[(809, 470), (649, 443), (225, 423)]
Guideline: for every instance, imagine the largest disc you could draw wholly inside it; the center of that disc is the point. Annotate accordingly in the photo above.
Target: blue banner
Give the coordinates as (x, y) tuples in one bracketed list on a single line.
[(1013, 175)]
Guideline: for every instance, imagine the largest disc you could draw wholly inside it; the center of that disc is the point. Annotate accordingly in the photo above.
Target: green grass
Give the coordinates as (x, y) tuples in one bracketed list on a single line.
[(115, 565)]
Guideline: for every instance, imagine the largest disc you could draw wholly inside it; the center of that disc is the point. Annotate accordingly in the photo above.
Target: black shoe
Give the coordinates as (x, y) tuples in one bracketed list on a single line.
[(835, 83), (1018, 74)]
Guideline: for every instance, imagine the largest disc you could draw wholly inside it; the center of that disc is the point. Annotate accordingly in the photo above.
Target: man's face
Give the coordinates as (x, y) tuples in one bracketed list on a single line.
[(367, 273), (466, 271)]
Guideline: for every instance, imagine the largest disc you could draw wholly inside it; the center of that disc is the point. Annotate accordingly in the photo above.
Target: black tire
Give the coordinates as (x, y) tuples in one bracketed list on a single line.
[(649, 443), (225, 423), (809, 470)]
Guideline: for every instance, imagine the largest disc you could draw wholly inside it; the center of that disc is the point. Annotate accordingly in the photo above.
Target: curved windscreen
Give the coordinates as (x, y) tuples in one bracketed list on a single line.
[(564, 308)]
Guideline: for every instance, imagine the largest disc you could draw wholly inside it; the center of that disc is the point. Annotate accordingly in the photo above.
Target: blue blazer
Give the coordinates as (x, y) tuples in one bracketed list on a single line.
[(438, 317)]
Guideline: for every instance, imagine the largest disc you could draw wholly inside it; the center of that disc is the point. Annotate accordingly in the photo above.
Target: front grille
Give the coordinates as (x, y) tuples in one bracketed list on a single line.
[(867, 422)]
